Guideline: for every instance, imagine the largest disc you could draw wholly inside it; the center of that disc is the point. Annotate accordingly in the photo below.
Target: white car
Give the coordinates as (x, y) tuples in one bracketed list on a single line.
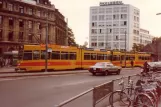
[(105, 68)]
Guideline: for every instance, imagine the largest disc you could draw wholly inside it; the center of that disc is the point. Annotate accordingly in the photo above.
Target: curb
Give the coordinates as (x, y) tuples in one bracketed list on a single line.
[(43, 74)]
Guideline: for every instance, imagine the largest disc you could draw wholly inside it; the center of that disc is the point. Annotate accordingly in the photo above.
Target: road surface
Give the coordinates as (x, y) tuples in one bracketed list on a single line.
[(50, 91)]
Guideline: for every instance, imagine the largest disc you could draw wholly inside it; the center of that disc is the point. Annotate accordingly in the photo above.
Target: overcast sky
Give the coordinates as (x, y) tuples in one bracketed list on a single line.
[(77, 12)]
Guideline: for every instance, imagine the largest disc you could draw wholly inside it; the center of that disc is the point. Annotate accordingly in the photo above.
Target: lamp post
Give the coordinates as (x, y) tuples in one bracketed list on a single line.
[(157, 48), (46, 42)]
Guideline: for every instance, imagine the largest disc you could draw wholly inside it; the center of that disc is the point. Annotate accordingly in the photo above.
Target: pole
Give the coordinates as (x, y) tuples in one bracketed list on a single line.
[(125, 49), (67, 33), (46, 54), (106, 39)]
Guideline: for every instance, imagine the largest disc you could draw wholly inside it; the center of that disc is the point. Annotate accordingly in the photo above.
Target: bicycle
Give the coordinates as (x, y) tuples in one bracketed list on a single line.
[(122, 96), (140, 99)]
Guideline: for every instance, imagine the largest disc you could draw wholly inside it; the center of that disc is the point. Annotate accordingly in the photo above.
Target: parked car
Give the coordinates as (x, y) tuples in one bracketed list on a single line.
[(104, 68)]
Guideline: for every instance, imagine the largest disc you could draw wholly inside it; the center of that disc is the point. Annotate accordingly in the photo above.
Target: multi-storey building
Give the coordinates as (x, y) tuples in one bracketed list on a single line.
[(145, 37), (114, 25), (25, 22)]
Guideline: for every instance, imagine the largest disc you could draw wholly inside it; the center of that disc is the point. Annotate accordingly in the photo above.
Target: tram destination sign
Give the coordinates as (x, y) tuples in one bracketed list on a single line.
[(111, 3)]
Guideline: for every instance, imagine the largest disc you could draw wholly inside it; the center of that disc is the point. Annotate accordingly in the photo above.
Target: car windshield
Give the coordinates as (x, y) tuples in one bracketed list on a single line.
[(100, 64), (109, 64)]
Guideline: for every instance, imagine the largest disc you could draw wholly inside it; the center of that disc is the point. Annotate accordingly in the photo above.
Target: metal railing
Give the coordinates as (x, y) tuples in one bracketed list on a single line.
[(97, 96)]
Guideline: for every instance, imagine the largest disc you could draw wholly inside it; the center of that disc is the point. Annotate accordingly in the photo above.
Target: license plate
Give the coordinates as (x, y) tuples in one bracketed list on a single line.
[(94, 68)]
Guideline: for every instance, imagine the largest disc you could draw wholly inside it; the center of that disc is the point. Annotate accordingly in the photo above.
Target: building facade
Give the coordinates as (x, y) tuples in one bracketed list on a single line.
[(145, 37), (114, 25), (26, 22)]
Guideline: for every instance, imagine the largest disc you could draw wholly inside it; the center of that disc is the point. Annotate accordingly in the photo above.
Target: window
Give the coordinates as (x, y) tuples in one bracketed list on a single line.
[(125, 23), (56, 55), (21, 9), (43, 53), (72, 55), (101, 44), (30, 37), (10, 21), (27, 55), (138, 19), (1, 32), (20, 36), (1, 20), (87, 56), (36, 55), (21, 23), (38, 26), (100, 57), (38, 13), (93, 56), (123, 16), (93, 44), (64, 55), (1, 4), (30, 24), (30, 11), (10, 7), (10, 36)]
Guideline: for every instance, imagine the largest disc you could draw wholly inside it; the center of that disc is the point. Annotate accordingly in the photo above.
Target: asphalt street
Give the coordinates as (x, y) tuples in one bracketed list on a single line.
[(51, 90)]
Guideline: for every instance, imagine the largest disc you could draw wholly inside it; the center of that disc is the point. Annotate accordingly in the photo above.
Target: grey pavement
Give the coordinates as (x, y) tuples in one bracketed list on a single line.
[(51, 90)]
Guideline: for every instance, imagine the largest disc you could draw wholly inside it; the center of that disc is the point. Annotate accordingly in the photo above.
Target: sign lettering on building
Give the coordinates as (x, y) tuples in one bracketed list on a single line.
[(111, 3)]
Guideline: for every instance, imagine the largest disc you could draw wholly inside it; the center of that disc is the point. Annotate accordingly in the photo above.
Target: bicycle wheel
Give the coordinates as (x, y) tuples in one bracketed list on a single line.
[(119, 98), (143, 100), (130, 92)]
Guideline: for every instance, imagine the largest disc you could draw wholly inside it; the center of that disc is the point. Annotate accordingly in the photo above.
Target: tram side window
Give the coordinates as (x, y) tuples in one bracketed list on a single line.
[(87, 56), (98, 56), (36, 55), (122, 57), (43, 54), (127, 57), (93, 56), (116, 58), (64, 55), (27, 55), (72, 55), (105, 57), (56, 55)]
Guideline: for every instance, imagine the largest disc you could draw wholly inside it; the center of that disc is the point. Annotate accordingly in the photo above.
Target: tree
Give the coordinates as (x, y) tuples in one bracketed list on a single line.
[(71, 38), (137, 47)]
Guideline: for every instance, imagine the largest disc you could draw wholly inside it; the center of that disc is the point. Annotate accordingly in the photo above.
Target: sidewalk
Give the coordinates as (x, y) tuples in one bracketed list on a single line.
[(119, 104), (24, 74)]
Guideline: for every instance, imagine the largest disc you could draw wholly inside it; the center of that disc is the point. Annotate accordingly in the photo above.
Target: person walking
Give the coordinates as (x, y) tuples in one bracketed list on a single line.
[(145, 67), (132, 64)]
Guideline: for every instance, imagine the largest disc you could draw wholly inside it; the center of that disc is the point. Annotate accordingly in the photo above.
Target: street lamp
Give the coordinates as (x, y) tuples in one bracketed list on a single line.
[(157, 44), (46, 41)]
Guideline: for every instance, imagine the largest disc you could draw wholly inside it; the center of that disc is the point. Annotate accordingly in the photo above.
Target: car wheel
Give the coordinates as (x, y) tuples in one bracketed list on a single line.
[(93, 73), (106, 73), (118, 72)]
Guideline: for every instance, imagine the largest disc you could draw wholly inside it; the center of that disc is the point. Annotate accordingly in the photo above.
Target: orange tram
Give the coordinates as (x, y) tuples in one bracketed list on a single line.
[(32, 58)]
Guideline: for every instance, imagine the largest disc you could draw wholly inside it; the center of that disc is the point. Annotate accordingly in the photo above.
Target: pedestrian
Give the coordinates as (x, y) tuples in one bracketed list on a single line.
[(145, 67), (132, 63)]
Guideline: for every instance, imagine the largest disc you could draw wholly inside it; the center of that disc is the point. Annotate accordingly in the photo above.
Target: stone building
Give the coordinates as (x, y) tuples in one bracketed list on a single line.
[(25, 22)]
